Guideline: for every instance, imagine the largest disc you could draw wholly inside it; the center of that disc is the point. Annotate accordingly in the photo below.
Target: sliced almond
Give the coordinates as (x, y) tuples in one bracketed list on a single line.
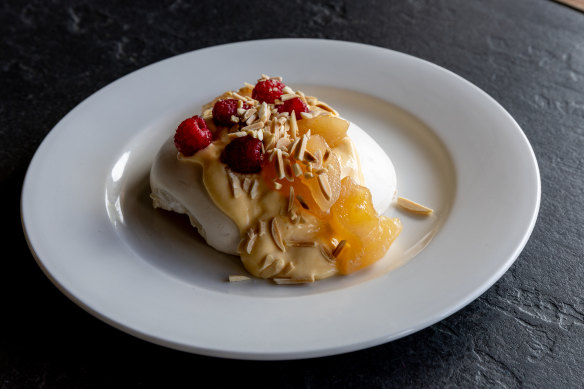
[(280, 164), (276, 267), (276, 235), (250, 244), (291, 199), (246, 184), (297, 243), (339, 248), (293, 125), (268, 260), (235, 185), (262, 228), (238, 278), (324, 185), (412, 206), (264, 112), (296, 169), (255, 189), (325, 252), (288, 269), (302, 148)]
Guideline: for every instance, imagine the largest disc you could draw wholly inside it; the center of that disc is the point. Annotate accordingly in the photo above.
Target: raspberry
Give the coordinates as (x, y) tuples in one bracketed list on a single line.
[(244, 155), (192, 135), (267, 90), (296, 105), (224, 109)]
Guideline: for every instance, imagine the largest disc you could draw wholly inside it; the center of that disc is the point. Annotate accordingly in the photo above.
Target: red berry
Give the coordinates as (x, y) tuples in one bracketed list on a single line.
[(268, 91), (296, 104), (224, 109), (192, 135), (244, 155)]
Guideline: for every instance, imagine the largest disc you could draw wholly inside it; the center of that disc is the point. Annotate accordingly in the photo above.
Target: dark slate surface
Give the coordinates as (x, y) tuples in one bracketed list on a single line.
[(525, 331)]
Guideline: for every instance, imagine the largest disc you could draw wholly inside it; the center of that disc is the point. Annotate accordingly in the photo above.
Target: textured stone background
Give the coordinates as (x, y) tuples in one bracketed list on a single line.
[(526, 331)]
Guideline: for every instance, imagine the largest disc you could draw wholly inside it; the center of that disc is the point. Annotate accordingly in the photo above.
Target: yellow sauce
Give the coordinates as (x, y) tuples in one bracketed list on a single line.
[(254, 216)]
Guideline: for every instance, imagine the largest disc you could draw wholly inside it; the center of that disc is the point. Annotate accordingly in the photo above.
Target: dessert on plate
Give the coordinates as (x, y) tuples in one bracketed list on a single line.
[(274, 176)]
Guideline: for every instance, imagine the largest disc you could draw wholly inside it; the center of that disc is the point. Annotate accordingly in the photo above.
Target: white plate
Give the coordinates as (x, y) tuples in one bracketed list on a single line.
[(90, 225)]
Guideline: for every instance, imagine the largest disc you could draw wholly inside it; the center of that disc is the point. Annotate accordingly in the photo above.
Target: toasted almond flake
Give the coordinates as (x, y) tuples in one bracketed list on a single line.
[(297, 169), (251, 119), (339, 248), (262, 228), (288, 269), (208, 114), (277, 78), (413, 207), (293, 125), (248, 85), (264, 77), (250, 244), (237, 134), (302, 96), (320, 171), (280, 164), (283, 144), (276, 235), (296, 243), (324, 185), (264, 113), (241, 111), (268, 260), (306, 115), (277, 185), (288, 90), (248, 113), (235, 184), (255, 189), (292, 281), (327, 254), (275, 268), (301, 201), (254, 126), (238, 96), (291, 199), (288, 170), (234, 119), (294, 145), (238, 278), (250, 233), (288, 96), (302, 148), (246, 184), (308, 175)]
